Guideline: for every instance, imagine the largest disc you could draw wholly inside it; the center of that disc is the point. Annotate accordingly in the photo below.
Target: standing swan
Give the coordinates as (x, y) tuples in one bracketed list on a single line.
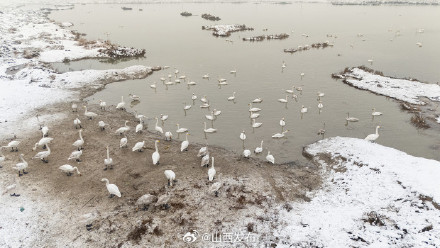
[(68, 169), (13, 144), (373, 137), (185, 143), (112, 188), (139, 126), (79, 143), (156, 155), (211, 171), (108, 162), (121, 105), (282, 124), (21, 166), (43, 155), (171, 176), (90, 115), (123, 142), (259, 149), (157, 128), (270, 158), (123, 129)]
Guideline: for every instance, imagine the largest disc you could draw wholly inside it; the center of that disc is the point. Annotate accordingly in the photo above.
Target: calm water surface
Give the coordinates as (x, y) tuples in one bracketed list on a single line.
[(179, 42)]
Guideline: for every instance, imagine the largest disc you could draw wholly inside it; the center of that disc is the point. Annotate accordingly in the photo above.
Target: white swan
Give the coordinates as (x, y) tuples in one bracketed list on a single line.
[(45, 131), (283, 65), (123, 142), (320, 106), (79, 143), (373, 137), (158, 128), (74, 107), (280, 135), (138, 146), (243, 137), (303, 111), (121, 105), (256, 124), (205, 105), (171, 176), (108, 162), (154, 86), (246, 153), (43, 142), (205, 160), (193, 97), (291, 91), (210, 117), (102, 104), (209, 130), (203, 151), (283, 100), (102, 125), (215, 188), (13, 144), (146, 200), (204, 99), (206, 76), (163, 118), (77, 123), (112, 188), (217, 112), (257, 100), (185, 143), (374, 113), (168, 136), (21, 166), (186, 107), (211, 171), (134, 97), (232, 98), (139, 116), (233, 71), (123, 129), (90, 115), (156, 155), (68, 169), (140, 126), (75, 155), (259, 149), (43, 155), (270, 158), (251, 109), (180, 130), (254, 115), (282, 124), (351, 119)]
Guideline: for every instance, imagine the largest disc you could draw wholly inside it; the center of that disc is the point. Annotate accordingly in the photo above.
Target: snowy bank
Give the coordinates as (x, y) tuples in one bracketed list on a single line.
[(372, 196), (401, 89), (29, 40)]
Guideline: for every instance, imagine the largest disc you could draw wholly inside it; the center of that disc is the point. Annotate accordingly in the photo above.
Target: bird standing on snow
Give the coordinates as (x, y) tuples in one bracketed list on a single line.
[(21, 166)]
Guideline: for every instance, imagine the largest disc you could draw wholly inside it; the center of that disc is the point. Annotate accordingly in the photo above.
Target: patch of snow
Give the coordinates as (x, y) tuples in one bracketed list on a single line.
[(372, 196), (400, 89), (66, 24)]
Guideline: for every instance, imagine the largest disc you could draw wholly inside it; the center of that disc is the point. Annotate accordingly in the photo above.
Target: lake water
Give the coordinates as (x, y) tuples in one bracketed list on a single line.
[(179, 42)]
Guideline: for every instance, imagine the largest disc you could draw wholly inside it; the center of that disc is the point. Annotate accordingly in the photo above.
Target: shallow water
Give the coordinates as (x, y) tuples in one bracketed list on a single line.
[(179, 42)]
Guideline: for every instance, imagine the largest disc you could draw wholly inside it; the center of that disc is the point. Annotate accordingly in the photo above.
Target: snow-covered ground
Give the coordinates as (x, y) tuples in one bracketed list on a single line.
[(28, 41), (372, 196), (400, 89)]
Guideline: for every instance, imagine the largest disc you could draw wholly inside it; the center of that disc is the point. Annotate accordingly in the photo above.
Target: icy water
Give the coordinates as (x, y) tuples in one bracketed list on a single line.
[(389, 38)]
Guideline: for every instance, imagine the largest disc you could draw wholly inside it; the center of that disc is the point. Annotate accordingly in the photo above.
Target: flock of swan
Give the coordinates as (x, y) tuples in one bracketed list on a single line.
[(139, 146)]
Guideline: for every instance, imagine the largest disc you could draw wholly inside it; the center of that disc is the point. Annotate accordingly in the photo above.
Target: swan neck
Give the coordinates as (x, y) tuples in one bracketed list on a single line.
[(108, 154), (155, 145)]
